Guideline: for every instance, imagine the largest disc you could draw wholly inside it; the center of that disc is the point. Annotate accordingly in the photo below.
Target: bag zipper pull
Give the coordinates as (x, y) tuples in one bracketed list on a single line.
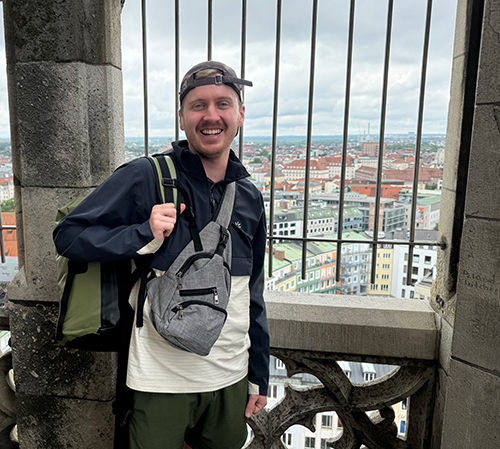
[(216, 296), (178, 309)]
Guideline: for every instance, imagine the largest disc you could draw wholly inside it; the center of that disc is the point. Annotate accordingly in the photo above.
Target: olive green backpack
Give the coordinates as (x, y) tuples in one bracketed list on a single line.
[(93, 307)]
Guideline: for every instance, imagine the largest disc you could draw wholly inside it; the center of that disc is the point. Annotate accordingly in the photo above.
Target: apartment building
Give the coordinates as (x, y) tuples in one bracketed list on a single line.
[(423, 264)]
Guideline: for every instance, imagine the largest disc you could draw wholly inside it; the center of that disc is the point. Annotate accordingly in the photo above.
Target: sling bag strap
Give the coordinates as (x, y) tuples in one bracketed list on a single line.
[(225, 211), (224, 214)]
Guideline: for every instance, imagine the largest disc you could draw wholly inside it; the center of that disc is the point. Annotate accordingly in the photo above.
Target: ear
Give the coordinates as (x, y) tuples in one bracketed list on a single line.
[(181, 120), (242, 115)]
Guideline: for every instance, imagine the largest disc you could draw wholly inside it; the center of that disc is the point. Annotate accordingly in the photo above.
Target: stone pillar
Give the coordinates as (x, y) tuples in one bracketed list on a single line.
[(66, 113), (472, 402)]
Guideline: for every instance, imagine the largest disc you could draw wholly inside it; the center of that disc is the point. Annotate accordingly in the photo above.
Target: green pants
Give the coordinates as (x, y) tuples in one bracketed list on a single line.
[(213, 420)]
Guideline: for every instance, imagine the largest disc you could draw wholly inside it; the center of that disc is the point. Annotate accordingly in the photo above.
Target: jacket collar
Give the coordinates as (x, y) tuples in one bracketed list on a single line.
[(191, 163)]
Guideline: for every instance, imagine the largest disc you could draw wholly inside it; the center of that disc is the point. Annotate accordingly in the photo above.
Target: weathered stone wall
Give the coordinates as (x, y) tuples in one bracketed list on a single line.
[(66, 114), (472, 403)]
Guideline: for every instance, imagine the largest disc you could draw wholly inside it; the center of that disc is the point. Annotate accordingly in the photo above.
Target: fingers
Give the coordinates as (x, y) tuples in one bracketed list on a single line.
[(255, 404), (162, 220)]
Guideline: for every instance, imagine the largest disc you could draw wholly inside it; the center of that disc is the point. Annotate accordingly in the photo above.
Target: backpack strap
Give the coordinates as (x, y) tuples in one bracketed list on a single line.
[(164, 166), (167, 176)]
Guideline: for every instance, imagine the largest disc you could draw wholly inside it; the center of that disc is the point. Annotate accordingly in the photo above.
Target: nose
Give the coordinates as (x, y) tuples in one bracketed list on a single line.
[(211, 112)]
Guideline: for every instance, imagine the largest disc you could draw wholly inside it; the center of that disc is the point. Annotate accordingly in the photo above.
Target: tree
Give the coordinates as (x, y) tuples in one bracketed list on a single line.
[(8, 205)]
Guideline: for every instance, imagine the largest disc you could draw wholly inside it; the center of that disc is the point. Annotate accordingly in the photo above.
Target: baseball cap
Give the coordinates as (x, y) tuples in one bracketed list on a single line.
[(227, 76)]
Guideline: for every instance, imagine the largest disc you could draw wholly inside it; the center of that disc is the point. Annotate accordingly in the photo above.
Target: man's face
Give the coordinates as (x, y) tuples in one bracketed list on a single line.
[(210, 117)]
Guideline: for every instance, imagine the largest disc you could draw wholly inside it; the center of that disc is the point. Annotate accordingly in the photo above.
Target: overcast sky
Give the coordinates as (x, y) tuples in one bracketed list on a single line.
[(331, 57)]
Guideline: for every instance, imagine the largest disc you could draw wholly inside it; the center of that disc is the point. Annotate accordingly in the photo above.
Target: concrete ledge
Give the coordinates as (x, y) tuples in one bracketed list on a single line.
[(357, 325)]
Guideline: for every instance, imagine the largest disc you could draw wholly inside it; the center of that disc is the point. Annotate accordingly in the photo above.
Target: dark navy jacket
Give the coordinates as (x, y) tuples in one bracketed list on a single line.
[(112, 223)]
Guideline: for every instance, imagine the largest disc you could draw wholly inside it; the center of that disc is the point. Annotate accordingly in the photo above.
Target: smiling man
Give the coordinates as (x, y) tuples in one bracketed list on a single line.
[(181, 397)]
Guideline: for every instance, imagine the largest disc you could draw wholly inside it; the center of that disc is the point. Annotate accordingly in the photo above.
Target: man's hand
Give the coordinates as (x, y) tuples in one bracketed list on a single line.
[(255, 404), (162, 220)]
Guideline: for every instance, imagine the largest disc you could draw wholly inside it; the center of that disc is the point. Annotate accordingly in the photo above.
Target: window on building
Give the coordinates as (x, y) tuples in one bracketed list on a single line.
[(326, 421), (310, 443), (387, 255), (385, 276), (416, 258), (287, 439), (386, 266), (272, 392), (279, 364), (415, 270), (323, 443), (384, 287), (374, 287), (412, 294), (368, 376)]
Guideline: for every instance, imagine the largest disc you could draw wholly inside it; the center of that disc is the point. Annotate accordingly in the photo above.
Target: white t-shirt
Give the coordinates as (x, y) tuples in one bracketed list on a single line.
[(156, 367)]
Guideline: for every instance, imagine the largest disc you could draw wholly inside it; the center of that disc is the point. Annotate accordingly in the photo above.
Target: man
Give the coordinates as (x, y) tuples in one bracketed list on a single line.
[(180, 396)]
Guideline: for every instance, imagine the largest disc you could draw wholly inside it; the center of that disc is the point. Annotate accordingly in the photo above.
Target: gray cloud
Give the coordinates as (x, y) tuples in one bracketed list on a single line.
[(331, 55)]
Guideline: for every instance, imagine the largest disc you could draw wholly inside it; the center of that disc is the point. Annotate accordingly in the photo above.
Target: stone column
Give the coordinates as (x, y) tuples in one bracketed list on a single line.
[(66, 113), (472, 404)]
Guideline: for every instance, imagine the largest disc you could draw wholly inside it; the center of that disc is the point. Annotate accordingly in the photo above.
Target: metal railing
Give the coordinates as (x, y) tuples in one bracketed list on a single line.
[(310, 118)]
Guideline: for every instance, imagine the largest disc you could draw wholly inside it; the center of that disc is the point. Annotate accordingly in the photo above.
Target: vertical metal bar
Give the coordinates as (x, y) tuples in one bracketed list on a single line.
[(381, 140), (145, 77), (177, 80), (2, 243), (309, 135), (274, 137), (243, 64), (209, 37), (418, 142), (345, 139)]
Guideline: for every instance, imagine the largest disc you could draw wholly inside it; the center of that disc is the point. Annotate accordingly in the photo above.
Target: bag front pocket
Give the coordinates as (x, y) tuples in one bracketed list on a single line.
[(194, 325)]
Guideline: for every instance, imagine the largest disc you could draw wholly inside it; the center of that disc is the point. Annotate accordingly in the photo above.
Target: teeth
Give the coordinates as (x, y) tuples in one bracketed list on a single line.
[(211, 132)]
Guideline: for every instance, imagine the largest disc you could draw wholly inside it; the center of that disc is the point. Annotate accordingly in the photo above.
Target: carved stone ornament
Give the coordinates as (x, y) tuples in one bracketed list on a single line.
[(374, 430)]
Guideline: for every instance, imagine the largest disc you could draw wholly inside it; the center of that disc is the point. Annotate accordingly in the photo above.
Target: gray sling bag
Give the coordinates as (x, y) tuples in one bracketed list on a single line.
[(189, 301)]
